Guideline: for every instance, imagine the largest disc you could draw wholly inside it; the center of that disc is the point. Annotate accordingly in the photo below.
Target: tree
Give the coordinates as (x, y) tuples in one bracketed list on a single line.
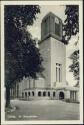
[(71, 24), (71, 28), (74, 67), (22, 58)]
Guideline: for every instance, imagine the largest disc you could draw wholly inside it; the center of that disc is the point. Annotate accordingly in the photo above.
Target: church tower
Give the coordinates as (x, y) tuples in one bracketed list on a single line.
[(53, 51)]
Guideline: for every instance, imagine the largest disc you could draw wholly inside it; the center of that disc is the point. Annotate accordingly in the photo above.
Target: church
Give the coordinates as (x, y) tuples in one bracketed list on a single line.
[(53, 85)]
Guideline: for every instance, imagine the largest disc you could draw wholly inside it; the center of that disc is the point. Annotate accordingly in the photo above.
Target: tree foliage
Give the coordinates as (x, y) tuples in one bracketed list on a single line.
[(21, 15), (74, 67), (71, 28), (71, 23), (22, 58)]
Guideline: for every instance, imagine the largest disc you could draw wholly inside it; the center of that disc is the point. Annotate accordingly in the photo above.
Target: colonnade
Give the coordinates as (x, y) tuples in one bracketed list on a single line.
[(14, 91), (73, 95), (39, 94)]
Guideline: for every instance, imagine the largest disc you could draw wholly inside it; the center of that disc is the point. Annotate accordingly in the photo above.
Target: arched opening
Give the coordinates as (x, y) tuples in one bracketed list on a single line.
[(44, 93), (61, 95), (48, 93), (26, 94), (32, 93), (29, 93), (53, 94), (39, 93)]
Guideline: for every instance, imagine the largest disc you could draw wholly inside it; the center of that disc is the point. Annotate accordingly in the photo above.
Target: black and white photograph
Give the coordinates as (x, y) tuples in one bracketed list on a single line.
[(41, 62)]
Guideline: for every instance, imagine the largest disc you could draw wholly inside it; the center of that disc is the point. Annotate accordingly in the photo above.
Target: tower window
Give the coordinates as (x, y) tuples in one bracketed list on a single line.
[(57, 29), (56, 20), (45, 27), (58, 72)]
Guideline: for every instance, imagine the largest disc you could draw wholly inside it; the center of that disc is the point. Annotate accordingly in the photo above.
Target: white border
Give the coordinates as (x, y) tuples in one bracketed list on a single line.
[(81, 60)]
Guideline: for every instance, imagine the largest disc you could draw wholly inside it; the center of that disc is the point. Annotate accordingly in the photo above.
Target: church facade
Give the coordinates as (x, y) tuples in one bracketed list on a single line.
[(53, 50)]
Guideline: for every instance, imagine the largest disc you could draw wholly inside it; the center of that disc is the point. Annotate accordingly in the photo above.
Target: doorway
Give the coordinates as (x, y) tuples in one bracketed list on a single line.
[(61, 95)]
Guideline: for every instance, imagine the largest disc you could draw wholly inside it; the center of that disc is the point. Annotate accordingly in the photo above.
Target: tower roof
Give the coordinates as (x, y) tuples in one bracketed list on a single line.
[(50, 14), (51, 26)]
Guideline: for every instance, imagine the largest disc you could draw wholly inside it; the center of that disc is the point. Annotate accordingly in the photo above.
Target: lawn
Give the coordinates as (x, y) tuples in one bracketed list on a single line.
[(43, 110)]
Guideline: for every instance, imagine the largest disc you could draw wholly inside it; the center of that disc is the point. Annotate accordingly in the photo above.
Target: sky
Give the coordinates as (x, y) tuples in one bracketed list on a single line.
[(35, 30)]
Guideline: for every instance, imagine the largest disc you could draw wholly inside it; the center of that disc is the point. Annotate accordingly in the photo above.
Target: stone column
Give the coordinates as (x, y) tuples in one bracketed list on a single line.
[(21, 89), (15, 91), (73, 95), (10, 93)]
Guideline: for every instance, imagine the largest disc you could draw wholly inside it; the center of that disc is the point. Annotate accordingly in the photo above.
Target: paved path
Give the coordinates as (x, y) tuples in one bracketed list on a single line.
[(44, 110)]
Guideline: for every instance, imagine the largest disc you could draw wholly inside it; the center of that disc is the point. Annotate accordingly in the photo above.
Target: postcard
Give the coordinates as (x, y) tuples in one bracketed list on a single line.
[(41, 62)]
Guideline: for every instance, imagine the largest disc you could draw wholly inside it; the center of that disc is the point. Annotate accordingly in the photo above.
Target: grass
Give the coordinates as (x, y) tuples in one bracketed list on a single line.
[(44, 110)]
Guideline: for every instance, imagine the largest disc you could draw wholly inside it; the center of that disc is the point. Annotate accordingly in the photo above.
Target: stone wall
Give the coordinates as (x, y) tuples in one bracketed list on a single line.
[(58, 55), (45, 50), (53, 51)]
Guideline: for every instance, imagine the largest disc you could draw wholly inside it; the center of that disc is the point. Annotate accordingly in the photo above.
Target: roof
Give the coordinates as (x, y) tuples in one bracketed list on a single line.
[(50, 14)]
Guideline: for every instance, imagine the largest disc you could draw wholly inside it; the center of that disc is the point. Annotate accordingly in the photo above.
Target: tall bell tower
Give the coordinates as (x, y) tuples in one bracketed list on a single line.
[(53, 51), (51, 26)]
